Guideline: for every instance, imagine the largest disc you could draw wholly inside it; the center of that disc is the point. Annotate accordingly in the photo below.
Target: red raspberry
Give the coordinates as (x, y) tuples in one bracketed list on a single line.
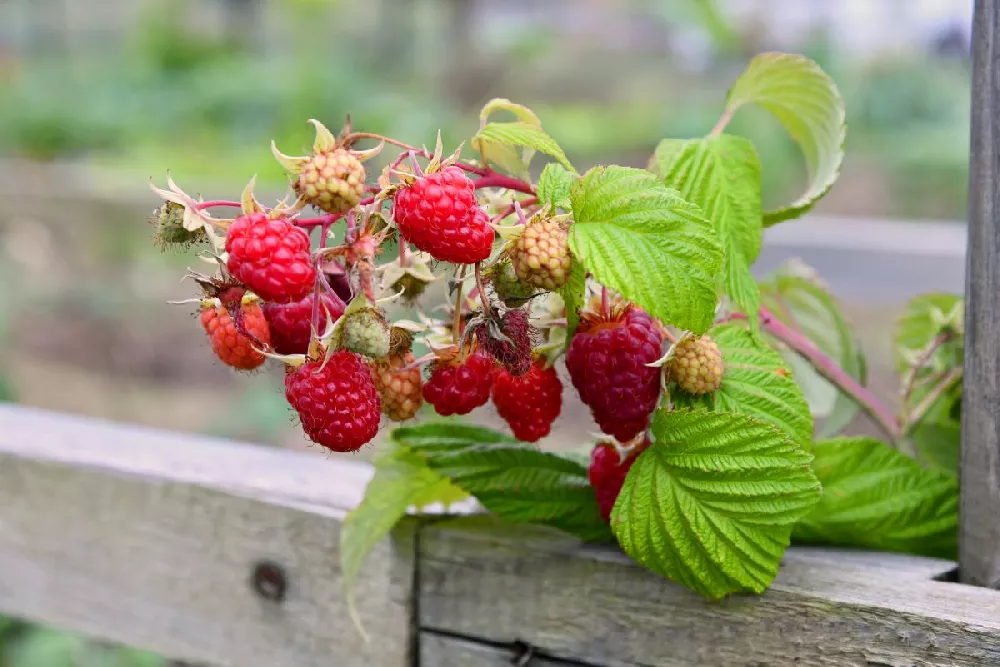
[(399, 387), (271, 257), (607, 362), (530, 402), (229, 339), (439, 214), (291, 323), (458, 388), (509, 341), (336, 402), (607, 474)]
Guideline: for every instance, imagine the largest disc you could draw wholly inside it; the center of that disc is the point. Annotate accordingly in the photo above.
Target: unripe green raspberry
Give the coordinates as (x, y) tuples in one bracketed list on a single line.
[(169, 223), (541, 254), (365, 332), (511, 291), (697, 365), (333, 181)]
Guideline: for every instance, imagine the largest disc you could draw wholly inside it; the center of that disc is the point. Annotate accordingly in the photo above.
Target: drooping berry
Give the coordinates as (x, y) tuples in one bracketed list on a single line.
[(607, 362), (528, 403), (438, 213), (509, 341), (231, 340), (508, 286), (697, 365), (607, 473), (399, 387), (459, 387), (541, 254), (291, 323), (336, 402), (366, 332), (333, 181), (271, 257)]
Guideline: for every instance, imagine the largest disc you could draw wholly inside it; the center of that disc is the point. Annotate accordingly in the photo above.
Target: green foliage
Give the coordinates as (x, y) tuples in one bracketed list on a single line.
[(646, 242), (876, 497), (711, 504), (807, 103), (554, 186), (574, 294), (756, 383), (22, 645), (721, 175), (937, 437), (925, 318), (520, 133), (796, 296)]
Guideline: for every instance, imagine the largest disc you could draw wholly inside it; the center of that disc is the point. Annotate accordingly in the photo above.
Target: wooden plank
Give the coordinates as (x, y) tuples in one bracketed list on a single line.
[(827, 607), (150, 539), (443, 651), (979, 537)]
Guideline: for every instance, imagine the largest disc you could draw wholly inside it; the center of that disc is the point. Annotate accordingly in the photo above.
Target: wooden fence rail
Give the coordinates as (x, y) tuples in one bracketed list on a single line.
[(153, 539)]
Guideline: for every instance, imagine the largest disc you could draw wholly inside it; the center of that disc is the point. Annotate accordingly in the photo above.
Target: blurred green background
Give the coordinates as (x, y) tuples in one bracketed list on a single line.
[(97, 96)]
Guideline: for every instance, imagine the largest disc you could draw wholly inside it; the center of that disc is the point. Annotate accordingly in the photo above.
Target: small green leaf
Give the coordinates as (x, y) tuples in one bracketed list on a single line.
[(519, 483), (807, 103), (521, 134), (554, 186), (925, 317), (401, 480), (711, 504), (646, 242), (721, 175), (523, 113), (446, 436), (937, 438), (574, 294), (795, 294), (756, 383), (877, 498)]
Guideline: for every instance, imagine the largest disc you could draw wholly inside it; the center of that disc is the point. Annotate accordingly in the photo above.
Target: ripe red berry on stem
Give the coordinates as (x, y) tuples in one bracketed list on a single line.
[(291, 323), (607, 473), (607, 362), (529, 403), (270, 256), (231, 345), (438, 213), (459, 387), (509, 341), (336, 402)]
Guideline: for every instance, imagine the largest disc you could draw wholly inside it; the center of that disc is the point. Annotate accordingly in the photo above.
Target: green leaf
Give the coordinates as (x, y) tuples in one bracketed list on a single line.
[(521, 134), (807, 103), (574, 294), (711, 504), (756, 383), (646, 242), (875, 497), (721, 175), (795, 294), (926, 316), (937, 438), (554, 186), (517, 482), (401, 480)]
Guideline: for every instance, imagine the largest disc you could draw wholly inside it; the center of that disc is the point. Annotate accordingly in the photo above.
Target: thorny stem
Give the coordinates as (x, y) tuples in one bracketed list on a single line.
[(826, 367), (914, 418), (457, 324), (727, 115), (218, 202), (530, 201), (482, 291), (495, 180), (324, 231), (922, 361)]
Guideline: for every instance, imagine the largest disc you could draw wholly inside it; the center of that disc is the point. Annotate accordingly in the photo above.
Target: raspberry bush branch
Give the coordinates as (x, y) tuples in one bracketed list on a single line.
[(618, 273)]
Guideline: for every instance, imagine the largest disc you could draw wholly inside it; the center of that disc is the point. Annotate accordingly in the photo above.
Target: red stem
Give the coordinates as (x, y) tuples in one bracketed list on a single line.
[(487, 311), (494, 180), (727, 115), (218, 202), (604, 301), (826, 367), (530, 201)]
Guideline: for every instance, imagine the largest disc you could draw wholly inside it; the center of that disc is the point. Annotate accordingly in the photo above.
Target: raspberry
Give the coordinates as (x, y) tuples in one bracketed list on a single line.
[(458, 388), (229, 338), (541, 254), (697, 365), (528, 403), (400, 389), (336, 401), (439, 214), (291, 323), (333, 181), (271, 257), (168, 223), (607, 362), (509, 341), (366, 332), (607, 474), (507, 286)]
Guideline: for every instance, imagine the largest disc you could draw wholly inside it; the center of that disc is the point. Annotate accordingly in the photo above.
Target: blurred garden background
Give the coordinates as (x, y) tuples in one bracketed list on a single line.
[(97, 96)]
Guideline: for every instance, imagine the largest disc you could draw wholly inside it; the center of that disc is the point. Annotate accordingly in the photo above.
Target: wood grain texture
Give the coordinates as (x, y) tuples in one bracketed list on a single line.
[(149, 539), (441, 651), (826, 608), (979, 535)]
